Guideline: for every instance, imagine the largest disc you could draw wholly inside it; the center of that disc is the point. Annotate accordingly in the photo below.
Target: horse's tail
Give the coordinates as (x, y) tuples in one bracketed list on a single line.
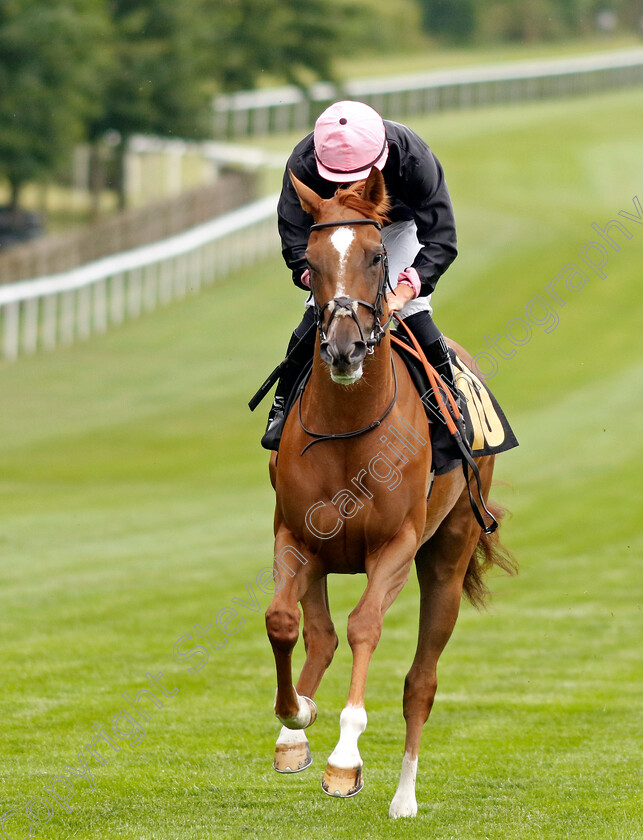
[(489, 552)]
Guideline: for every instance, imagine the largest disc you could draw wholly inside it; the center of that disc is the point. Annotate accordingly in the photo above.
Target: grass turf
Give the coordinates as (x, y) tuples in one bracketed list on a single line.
[(135, 504)]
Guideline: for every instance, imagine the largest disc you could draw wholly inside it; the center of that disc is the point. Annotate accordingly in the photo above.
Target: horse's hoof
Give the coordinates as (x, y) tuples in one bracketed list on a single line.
[(292, 758), (344, 782), (403, 806)]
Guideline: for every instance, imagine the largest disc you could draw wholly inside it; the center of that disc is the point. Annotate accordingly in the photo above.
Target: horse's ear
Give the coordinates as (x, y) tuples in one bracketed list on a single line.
[(374, 189), (308, 198)]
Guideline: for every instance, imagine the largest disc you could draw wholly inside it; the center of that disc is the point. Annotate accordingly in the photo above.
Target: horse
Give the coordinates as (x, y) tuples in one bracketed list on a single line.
[(351, 479)]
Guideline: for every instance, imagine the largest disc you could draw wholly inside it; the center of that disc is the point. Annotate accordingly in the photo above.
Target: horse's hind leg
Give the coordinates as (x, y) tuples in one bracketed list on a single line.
[(441, 563), (292, 752)]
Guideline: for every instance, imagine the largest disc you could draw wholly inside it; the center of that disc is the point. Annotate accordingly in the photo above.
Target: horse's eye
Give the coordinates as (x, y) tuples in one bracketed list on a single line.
[(377, 259)]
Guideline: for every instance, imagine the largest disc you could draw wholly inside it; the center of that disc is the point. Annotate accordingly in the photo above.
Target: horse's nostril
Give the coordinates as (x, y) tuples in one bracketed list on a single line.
[(358, 351), (326, 352)]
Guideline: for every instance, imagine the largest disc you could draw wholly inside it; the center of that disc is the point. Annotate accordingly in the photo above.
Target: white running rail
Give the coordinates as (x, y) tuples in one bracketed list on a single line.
[(288, 108), (63, 308)]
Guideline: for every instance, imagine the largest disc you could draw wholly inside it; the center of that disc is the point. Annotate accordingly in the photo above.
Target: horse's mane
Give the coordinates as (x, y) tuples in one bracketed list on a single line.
[(351, 197)]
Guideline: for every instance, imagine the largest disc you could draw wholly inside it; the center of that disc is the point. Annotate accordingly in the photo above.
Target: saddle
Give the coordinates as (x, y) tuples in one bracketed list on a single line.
[(487, 429)]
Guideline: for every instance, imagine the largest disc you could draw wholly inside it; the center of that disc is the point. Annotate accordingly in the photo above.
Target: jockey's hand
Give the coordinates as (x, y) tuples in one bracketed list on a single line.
[(400, 297)]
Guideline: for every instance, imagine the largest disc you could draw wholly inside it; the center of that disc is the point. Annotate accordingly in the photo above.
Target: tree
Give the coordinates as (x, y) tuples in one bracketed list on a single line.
[(288, 39), (519, 20), (453, 20), (171, 56), (97, 68), (52, 59), (157, 84)]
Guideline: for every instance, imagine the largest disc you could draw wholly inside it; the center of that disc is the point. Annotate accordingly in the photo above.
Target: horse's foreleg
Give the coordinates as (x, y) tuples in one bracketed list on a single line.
[(387, 573), (441, 566), (292, 752), (282, 624)]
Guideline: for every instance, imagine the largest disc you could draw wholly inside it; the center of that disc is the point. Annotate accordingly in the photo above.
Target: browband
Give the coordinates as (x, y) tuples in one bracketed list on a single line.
[(347, 222)]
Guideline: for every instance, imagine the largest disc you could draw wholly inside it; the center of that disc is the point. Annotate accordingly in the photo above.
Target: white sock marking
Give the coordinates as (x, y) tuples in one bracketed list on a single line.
[(404, 803), (291, 736), (352, 722)]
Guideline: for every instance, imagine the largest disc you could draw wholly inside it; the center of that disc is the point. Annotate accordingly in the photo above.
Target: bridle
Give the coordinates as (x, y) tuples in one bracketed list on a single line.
[(349, 305)]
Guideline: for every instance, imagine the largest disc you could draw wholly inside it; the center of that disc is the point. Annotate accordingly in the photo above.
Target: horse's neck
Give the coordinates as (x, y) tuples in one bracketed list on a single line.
[(330, 407)]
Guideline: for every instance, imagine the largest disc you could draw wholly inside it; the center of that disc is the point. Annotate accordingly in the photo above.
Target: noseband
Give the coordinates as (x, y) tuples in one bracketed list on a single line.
[(348, 306)]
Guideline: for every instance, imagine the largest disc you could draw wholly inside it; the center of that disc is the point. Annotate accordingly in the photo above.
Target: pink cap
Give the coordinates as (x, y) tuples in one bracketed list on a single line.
[(350, 139)]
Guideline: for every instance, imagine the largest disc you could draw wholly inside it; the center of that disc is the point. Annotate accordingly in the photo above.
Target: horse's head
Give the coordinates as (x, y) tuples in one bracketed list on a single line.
[(348, 271)]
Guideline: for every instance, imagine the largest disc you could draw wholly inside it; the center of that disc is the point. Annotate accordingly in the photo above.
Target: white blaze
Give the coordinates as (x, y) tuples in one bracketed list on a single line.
[(342, 240)]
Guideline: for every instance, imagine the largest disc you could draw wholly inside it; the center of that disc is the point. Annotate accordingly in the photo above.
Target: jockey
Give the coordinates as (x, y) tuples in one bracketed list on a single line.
[(349, 139)]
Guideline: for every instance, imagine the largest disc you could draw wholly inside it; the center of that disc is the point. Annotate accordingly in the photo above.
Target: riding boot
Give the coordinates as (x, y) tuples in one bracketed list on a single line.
[(437, 354), (272, 435), (298, 356)]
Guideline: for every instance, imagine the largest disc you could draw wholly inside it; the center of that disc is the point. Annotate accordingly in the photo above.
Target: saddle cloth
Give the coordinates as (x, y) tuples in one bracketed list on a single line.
[(488, 430)]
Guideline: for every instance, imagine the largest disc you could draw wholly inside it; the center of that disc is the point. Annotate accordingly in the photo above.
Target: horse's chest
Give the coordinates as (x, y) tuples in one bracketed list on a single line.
[(343, 526)]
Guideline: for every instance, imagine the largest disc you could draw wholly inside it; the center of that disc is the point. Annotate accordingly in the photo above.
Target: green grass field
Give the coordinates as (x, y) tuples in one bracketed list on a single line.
[(135, 504)]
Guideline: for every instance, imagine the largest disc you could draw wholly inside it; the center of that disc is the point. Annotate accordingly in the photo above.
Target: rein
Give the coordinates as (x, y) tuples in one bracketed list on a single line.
[(452, 417), (350, 306), (318, 437)]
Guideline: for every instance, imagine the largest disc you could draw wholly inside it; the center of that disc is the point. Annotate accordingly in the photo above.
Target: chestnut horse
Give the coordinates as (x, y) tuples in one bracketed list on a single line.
[(351, 482)]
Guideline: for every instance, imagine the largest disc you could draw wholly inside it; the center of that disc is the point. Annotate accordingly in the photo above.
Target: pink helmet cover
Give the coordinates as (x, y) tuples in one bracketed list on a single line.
[(350, 139)]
